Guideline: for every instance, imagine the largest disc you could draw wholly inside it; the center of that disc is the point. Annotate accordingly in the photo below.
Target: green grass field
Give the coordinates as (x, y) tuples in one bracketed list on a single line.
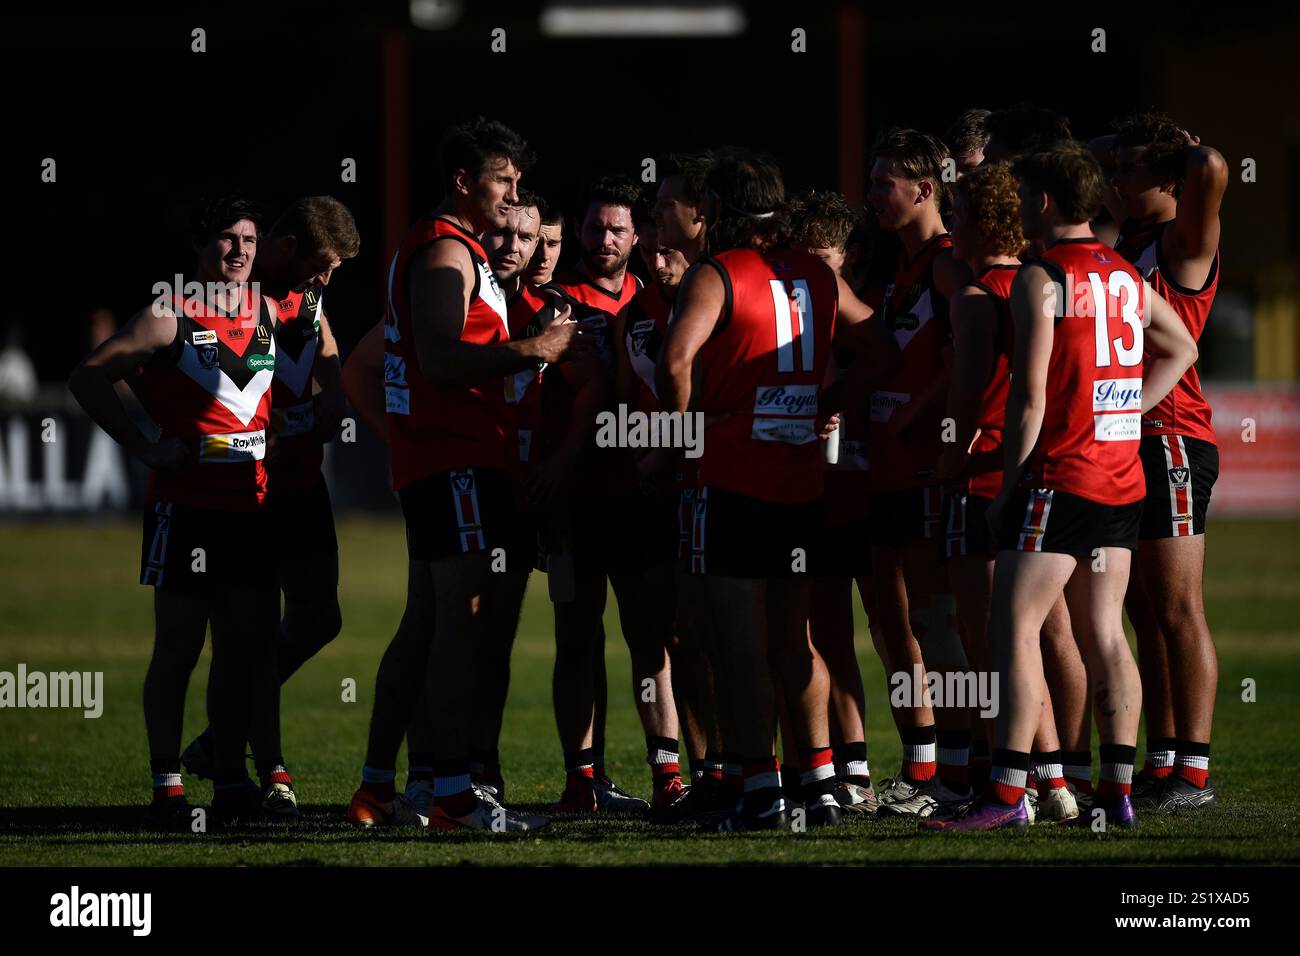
[(72, 790)]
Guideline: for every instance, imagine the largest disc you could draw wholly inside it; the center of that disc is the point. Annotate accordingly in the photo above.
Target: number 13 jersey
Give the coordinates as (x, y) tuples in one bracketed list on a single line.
[(763, 369), (1088, 444)]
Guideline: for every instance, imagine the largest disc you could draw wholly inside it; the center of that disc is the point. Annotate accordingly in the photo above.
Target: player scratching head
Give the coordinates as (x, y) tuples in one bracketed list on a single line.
[(606, 232), (907, 190), (480, 163), (824, 223), (746, 202), (1150, 162), (308, 242), (1060, 192), (986, 216), (224, 232)]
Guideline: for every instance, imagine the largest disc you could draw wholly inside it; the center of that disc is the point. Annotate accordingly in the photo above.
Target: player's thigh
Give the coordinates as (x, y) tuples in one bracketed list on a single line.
[(1025, 587), (1171, 570), (1095, 597)]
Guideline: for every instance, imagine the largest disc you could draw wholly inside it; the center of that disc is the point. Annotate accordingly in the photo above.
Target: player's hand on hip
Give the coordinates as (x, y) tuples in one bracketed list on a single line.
[(168, 453)]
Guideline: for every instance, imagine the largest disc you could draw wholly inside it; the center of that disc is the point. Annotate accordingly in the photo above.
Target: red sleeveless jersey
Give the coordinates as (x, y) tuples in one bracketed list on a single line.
[(983, 474), (604, 473), (297, 340), (763, 369), (524, 389), (1184, 411), (211, 388), (918, 317), (432, 427), (1088, 445)]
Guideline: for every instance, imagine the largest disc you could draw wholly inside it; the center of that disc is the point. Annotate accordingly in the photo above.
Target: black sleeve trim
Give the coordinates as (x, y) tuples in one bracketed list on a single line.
[(473, 260), (1058, 275), (1165, 273), (727, 295)]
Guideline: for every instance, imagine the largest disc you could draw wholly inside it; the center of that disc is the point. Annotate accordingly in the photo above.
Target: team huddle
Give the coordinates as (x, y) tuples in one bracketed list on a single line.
[(977, 403)]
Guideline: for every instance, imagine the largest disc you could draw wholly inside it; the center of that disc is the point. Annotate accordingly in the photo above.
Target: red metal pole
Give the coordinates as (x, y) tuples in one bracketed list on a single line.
[(850, 50)]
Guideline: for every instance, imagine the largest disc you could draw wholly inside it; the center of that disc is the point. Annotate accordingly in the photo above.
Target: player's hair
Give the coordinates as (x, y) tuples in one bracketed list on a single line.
[(693, 168), (613, 191), (321, 224), (967, 133), (1024, 128), (473, 144), (550, 215), (1165, 142), (213, 213), (822, 219), (752, 211), (1070, 174), (989, 193), (917, 156), (643, 210)]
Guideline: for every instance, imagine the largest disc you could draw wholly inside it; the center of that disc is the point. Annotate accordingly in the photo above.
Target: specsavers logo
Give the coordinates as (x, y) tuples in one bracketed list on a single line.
[(257, 363)]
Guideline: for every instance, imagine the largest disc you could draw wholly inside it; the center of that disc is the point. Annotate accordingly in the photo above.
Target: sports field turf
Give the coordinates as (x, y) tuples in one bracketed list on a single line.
[(72, 790)]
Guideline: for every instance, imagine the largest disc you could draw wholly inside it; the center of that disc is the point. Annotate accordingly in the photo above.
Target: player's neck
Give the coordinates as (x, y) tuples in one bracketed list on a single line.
[(512, 286), (217, 291), (982, 263), (695, 249), (1055, 232), (613, 283), (921, 230), (447, 210)]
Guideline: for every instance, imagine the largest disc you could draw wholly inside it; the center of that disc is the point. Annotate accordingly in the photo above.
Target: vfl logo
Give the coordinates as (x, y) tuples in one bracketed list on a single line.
[(208, 357), (462, 482), (1101, 257), (640, 336), (1179, 476)]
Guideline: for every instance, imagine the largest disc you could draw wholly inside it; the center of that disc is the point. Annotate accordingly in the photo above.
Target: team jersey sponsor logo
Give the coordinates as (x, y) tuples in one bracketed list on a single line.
[(791, 431), (1123, 427), (204, 337), (257, 363), (785, 400), (290, 420), (884, 403), (240, 446), (263, 335), (1117, 395)]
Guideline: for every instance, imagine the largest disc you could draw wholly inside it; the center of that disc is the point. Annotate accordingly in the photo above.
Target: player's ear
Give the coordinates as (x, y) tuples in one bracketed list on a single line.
[(460, 182), (924, 190)]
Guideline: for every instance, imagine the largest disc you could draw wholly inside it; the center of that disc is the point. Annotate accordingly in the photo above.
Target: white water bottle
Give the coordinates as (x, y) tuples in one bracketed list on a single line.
[(831, 447)]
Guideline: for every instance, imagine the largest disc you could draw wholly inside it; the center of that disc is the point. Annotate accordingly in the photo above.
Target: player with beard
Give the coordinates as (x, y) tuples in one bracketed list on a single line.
[(202, 366), (613, 533), (447, 355), (1166, 191), (733, 353), (1095, 348), (987, 237), (297, 258), (904, 441)]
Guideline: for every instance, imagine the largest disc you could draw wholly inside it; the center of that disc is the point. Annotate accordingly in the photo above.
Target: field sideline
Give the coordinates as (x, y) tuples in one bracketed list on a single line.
[(72, 789)]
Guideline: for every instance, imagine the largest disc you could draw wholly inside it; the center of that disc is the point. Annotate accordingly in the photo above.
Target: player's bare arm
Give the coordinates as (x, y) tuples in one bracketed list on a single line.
[(1103, 148), (625, 388), (362, 378), (441, 279), (701, 301), (116, 358), (1033, 309), (1170, 349), (329, 401), (587, 382), (973, 315), (950, 273), (1191, 243)]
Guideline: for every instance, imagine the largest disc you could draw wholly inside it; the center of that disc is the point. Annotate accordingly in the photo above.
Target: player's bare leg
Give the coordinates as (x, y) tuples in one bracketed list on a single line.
[(831, 631), (497, 622), (1096, 598), (579, 638), (971, 579), (1157, 692), (1067, 686), (180, 629)]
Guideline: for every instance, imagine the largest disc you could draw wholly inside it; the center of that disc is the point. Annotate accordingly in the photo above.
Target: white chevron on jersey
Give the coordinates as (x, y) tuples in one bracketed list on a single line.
[(240, 402), (297, 375), (924, 312)]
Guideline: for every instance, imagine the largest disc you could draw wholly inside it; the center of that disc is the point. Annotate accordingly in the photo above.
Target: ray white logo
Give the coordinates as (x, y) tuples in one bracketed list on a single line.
[(75, 909), (58, 689), (952, 689), (626, 429)]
